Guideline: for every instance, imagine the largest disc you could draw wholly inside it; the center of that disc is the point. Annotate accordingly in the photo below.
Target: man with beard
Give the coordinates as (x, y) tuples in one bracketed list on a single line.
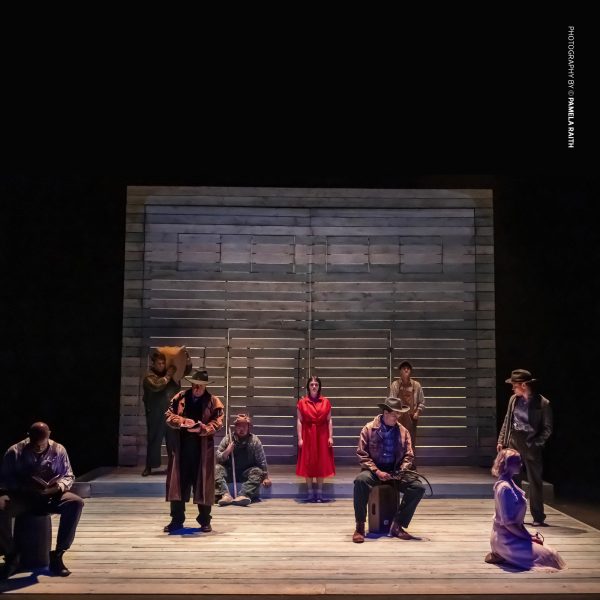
[(36, 479), (244, 453), (194, 416), (159, 387)]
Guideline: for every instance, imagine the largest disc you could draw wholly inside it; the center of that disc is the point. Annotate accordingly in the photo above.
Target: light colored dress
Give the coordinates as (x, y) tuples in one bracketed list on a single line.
[(510, 539)]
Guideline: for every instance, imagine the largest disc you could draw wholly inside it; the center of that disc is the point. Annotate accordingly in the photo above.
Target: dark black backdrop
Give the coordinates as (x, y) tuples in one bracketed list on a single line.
[(64, 290)]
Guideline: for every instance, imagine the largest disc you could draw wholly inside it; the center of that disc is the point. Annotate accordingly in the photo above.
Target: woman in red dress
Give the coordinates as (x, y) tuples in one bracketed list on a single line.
[(315, 440)]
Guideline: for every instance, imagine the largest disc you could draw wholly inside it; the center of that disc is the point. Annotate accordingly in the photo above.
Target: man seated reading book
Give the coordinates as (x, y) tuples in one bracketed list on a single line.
[(36, 478)]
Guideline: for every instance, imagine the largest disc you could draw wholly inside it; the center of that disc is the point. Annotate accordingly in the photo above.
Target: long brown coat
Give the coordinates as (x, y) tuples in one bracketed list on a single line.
[(212, 417)]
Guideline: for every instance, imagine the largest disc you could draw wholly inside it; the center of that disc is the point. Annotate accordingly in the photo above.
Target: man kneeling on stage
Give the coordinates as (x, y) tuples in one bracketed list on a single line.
[(36, 478), (385, 448), (243, 454)]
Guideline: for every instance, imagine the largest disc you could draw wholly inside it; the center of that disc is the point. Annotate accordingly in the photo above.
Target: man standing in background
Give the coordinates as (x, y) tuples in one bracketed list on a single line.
[(526, 428), (410, 392), (159, 387)]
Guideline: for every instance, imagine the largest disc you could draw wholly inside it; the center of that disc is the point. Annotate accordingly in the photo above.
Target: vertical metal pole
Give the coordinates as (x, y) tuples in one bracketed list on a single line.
[(233, 463), (310, 309), (390, 356), (227, 383), (298, 373)]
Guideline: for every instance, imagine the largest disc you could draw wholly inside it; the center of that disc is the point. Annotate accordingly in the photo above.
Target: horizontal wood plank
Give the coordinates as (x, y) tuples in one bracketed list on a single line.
[(215, 268), (120, 550)]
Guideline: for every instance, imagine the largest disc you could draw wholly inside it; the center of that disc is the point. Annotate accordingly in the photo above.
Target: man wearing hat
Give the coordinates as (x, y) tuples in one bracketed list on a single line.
[(36, 479), (410, 392), (243, 453), (526, 428), (194, 415), (385, 447)]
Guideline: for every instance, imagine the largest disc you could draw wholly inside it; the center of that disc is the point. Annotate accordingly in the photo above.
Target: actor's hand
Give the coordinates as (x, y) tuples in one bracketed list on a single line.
[(171, 369), (266, 482), (299, 442), (51, 491), (330, 442), (537, 540), (382, 475), (415, 416), (198, 428), (174, 420)]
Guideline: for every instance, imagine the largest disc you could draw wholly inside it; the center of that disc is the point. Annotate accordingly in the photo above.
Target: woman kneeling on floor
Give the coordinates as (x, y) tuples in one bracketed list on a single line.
[(510, 541)]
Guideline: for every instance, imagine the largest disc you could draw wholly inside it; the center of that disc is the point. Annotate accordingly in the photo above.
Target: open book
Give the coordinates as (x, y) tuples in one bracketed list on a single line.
[(189, 423), (43, 482)]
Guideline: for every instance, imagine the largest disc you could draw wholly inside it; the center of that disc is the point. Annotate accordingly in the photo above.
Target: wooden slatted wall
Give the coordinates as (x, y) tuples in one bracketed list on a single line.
[(267, 285)]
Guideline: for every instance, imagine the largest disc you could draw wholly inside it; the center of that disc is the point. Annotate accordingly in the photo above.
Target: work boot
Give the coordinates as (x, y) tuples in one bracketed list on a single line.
[(241, 500), (225, 500), (12, 563), (358, 537), (397, 531), (57, 566), (173, 526), (204, 527)]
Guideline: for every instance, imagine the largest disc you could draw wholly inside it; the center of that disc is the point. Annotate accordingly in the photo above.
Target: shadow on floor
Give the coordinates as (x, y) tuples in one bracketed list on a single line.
[(586, 511)]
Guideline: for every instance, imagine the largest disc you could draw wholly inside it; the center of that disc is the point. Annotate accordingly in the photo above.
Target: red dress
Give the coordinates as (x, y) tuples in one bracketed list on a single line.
[(315, 458)]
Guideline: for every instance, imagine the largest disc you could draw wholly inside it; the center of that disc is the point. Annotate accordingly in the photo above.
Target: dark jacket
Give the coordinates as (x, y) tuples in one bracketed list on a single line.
[(160, 389), (370, 446), (540, 419)]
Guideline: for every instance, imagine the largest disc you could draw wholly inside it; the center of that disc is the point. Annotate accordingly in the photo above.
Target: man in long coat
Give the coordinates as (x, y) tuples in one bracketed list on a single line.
[(195, 415), (526, 429)]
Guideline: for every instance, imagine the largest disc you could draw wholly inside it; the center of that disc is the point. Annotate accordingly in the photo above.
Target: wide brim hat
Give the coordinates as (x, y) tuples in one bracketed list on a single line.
[(199, 378), (520, 376), (394, 404)]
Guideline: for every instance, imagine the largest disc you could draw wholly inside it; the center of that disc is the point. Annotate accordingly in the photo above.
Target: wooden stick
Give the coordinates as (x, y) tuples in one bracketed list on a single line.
[(233, 462)]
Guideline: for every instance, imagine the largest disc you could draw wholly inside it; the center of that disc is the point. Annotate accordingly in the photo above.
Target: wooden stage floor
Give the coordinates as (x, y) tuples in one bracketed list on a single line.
[(282, 547)]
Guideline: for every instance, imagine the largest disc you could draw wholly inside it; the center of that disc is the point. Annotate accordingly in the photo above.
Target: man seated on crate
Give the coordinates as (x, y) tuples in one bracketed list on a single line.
[(385, 448), (36, 478), (242, 453)]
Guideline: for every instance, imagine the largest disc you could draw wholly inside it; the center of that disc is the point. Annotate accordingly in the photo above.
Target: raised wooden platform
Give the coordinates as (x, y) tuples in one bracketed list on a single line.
[(281, 547), (446, 481)]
